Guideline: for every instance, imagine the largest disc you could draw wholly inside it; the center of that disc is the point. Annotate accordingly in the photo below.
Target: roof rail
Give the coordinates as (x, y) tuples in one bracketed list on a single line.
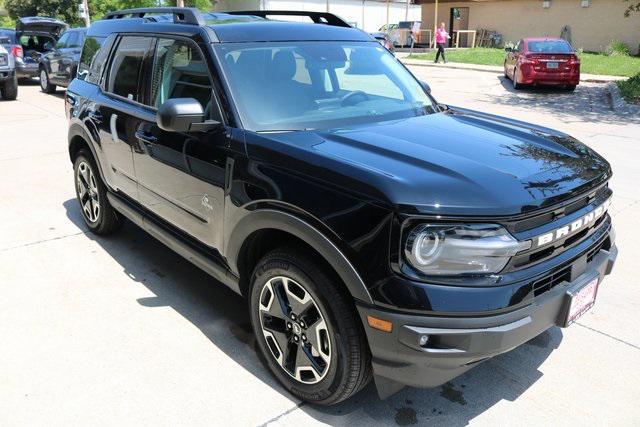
[(317, 17), (181, 15)]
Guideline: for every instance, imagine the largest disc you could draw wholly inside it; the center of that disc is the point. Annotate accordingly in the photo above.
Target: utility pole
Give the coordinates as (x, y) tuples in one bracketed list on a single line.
[(435, 22), (387, 14), (84, 8), (327, 5), (180, 3), (406, 11)]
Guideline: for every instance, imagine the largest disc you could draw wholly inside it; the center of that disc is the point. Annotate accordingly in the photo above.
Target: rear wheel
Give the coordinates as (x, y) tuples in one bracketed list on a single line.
[(570, 88), (9, 89), (516, 85), (45, 84), (316, 349), (91, 192)]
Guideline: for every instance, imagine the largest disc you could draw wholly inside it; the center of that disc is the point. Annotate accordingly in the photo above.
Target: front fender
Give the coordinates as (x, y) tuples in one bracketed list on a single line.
[(272, 219)]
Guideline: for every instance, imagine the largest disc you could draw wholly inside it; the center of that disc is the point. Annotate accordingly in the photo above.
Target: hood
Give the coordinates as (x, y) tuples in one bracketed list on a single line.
[(42, 25), (459, 162)]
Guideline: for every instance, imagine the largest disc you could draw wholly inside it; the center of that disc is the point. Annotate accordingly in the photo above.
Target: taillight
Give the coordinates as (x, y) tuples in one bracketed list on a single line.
[(17, 51), (526, 59), (574, 60)]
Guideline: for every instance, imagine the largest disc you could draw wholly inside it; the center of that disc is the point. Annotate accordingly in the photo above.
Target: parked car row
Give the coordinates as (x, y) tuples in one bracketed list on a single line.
[(40, 47)]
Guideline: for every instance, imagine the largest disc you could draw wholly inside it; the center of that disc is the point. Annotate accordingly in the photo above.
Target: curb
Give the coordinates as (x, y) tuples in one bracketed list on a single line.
[(488, 70), (617, 101)]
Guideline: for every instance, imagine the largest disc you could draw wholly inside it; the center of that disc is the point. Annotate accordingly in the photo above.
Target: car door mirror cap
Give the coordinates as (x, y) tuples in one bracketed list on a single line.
[(425, 86), (183, 115)]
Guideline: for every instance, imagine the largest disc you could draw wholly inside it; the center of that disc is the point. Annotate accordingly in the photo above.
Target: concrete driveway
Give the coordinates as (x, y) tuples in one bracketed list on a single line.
[(119, 330)]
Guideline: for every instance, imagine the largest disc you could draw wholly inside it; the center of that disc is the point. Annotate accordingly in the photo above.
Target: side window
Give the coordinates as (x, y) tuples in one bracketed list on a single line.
[(62, 43), (74, 40), (179, 71), (94, 54), (126, 66)]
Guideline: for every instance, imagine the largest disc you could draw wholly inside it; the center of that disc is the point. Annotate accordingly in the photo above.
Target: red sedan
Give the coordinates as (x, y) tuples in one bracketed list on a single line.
[(542, 61)]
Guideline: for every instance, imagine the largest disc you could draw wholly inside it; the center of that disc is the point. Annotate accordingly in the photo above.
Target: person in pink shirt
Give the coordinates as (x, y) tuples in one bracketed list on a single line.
[(441, 39)]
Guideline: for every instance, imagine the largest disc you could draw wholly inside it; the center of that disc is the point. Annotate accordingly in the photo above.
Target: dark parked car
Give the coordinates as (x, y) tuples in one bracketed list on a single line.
[(542, 61), (60, 65), (8, 80), (32, 37), (375, 232)]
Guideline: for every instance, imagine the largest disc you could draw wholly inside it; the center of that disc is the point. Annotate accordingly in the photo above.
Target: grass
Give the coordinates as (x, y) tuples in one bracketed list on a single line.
[(630, 89), (590, 63)]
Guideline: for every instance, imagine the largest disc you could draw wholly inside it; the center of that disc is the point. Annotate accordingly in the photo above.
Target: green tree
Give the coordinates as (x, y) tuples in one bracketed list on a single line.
[(5, 20), (66, 10)]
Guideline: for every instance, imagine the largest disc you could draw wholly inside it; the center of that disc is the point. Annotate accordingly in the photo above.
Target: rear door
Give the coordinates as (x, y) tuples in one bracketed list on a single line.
[(118, 111), (55, 57), (181, 176)]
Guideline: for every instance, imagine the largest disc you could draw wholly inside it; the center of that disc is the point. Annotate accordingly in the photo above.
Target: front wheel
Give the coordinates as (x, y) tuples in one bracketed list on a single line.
[(315, 349), (45, 84)]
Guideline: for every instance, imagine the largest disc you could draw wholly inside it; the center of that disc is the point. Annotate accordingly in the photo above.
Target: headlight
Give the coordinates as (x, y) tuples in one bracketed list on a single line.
[(452, 249)]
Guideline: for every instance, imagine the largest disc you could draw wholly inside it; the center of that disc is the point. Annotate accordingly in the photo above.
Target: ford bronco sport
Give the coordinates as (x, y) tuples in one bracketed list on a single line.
[(374, 232)]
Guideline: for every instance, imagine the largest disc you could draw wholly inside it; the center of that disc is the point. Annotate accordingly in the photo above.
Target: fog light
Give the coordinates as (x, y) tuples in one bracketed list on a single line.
[(424, 339)]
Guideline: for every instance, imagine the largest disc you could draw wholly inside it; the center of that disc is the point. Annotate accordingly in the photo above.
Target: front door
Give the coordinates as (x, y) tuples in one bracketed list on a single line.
[(181, 176), (68, 57), (55, 56)]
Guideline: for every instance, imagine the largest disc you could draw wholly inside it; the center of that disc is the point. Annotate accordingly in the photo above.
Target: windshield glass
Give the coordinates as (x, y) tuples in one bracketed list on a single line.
[(314, 85), (550, 46)]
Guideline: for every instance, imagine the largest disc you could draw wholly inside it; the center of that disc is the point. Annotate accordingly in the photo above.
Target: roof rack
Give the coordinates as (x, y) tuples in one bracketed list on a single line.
[(181, 15), (317, 17)]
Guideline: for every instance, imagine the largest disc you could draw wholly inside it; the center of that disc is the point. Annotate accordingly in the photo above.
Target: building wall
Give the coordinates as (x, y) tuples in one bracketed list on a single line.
[(368, 14), (592, 28)]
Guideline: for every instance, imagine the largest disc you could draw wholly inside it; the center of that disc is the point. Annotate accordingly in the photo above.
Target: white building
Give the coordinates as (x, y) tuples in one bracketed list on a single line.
[(368, 15)]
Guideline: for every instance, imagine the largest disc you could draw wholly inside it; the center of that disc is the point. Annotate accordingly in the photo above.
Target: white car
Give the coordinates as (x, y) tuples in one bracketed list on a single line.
[(8, 79)]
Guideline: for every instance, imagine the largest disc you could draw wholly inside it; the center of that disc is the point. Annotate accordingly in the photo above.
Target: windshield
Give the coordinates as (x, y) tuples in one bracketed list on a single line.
[(550, 46), (315, 85)]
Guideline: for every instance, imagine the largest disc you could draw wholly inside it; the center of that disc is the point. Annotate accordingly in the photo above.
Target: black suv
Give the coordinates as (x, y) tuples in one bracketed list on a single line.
[(60, 65), (375, 233)]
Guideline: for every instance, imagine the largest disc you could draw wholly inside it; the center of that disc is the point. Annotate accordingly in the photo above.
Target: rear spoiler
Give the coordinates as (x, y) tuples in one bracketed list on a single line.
[(317, 17)]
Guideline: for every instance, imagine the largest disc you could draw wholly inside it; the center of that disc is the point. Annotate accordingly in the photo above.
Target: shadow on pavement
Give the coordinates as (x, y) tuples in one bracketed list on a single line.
[(222, 316), (589, 103)]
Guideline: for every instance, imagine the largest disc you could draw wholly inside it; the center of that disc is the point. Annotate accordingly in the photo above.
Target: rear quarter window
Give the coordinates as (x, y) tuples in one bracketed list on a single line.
[(92, 59)]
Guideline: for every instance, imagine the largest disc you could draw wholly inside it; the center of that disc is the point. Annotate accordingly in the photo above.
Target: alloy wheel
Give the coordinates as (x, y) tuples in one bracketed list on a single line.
[(88, 192), (44, 79), (295, 330)]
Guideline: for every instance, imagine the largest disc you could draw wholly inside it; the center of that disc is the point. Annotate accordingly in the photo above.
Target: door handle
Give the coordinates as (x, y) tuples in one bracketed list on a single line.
[(95, 116), (145, 138)]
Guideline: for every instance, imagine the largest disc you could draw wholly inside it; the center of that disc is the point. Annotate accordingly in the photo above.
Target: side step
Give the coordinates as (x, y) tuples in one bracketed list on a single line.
[(171, 240)]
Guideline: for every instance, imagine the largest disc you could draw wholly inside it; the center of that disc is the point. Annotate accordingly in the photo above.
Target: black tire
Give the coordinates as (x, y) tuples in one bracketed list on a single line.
[(105, 219), (349, 366), (45, 84), (516, 85), (570, 88), (9, 90)]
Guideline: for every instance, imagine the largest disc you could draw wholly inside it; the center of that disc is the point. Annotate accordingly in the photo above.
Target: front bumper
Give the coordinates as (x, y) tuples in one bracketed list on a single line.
[(456, 344)]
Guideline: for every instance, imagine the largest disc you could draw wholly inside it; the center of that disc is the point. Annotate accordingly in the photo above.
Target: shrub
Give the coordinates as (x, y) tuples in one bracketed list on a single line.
[(616, 48), (630, 89)]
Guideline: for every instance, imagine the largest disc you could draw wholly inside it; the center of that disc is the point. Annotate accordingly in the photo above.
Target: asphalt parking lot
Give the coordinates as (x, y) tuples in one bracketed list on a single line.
[(120, 330)]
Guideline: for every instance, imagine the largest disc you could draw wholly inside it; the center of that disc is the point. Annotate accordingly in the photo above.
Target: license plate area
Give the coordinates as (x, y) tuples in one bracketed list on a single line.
[(552, 65), (578, 300)]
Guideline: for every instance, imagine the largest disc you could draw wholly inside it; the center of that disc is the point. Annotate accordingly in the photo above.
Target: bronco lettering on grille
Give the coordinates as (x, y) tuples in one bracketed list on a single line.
[(573, 227)]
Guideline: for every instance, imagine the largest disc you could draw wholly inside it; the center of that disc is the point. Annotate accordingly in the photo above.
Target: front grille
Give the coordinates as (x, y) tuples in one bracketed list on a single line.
[(563, 272), (543, 285), (562, 216)]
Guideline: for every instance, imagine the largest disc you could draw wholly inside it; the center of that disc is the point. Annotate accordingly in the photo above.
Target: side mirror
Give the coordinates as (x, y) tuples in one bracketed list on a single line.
[(183, 115), (508, 49), (426, 87)]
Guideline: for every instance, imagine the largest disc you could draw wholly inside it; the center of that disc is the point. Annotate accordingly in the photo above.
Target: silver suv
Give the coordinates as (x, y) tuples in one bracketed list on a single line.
[(8, 79)]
